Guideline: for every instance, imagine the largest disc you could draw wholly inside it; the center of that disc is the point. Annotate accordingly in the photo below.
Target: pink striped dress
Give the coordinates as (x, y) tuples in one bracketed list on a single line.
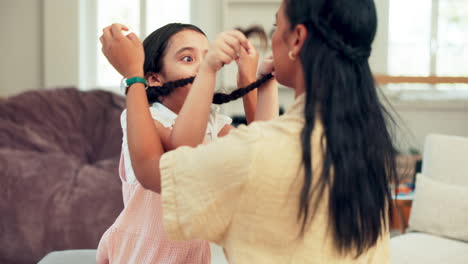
[(137, 235)]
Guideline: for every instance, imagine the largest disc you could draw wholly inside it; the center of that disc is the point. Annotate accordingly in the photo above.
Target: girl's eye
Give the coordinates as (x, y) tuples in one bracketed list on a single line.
[(187, 59)]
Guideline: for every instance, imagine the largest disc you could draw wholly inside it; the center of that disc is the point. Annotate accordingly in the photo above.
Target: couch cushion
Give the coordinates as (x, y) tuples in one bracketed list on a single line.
[(84, 256), (59, 154), (440, 209), (52, 202), (412, 248), (415, 248), (445, 159), (84, 125)]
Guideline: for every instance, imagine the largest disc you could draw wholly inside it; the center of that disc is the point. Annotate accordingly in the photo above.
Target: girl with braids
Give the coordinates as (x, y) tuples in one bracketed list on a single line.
[(312, 186), (172, 53)]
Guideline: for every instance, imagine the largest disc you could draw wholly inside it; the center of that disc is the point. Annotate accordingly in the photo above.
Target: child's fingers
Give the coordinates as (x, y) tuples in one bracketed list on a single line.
[(233, 42), (102, 40), (106, 35), (267, 66), (116, 30), (243, 52), (134, 38), (225, 59), (251, 49), (228, 44), (109, 28), (240, 36), (228, 51)]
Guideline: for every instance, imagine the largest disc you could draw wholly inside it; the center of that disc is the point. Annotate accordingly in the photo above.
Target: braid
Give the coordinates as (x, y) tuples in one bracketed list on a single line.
[(154, 92), (220, 98)]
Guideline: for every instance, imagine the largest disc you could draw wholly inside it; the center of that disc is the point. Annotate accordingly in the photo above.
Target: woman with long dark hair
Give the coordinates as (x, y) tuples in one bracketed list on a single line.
[(312, 186)]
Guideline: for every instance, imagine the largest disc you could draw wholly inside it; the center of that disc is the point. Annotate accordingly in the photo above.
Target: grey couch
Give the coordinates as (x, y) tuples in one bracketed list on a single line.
[(59, 153)]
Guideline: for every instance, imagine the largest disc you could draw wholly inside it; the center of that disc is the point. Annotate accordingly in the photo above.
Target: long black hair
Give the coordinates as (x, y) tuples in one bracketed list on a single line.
[(155, 46), (358, 152)]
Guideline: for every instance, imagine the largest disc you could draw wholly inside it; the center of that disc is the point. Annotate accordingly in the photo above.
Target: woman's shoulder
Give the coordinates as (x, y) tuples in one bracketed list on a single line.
[(281, 125)]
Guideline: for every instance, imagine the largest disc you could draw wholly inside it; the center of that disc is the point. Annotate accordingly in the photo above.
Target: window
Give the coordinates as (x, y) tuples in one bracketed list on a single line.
[(429, 38), (452, 44), (409, 37), (142, 17)]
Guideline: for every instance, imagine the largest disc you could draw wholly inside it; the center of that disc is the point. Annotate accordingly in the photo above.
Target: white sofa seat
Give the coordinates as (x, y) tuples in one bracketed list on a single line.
[(428, 249), (79, 256), (440, 207)]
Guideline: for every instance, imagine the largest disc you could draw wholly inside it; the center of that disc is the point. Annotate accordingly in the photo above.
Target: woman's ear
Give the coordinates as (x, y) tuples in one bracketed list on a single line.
[(154, 79), (299, 36)]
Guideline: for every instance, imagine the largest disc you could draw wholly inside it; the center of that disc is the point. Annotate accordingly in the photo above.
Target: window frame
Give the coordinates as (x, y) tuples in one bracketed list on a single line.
[(433, 78)]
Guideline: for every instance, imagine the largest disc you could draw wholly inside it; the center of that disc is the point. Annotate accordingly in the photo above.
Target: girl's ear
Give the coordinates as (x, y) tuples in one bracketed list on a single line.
[(154, 79)]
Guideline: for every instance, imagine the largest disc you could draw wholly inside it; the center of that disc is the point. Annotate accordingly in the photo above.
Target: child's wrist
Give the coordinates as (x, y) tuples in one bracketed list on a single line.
[(205, 67), (135, 73), (261, 74), (245, 80)]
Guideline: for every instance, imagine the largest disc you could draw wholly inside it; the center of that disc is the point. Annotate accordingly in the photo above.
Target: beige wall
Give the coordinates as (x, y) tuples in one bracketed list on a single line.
[(40, 47), (61, 50), (417, 120), (378, 60), (22, 32)]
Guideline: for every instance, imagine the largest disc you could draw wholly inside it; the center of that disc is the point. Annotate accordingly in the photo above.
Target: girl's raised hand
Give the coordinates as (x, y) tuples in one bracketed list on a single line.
[(247, 64), (125, 53), (225, 49), (266, 67)]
